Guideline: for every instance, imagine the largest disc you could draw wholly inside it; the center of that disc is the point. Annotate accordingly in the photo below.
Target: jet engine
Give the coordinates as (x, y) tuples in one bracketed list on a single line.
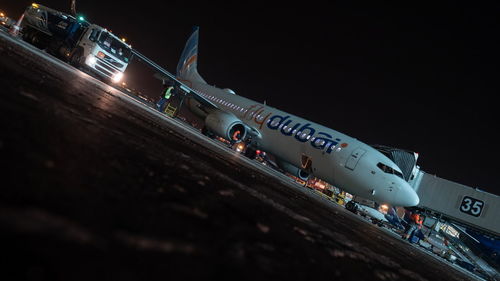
[(225, 125), (292, 169)]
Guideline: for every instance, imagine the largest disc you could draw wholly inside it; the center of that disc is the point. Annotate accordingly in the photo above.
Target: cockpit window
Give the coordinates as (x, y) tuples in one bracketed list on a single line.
[(389, 170)]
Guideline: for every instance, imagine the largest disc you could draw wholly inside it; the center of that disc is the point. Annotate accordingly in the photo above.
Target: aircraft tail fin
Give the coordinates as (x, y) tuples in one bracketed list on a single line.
[(188, 62)]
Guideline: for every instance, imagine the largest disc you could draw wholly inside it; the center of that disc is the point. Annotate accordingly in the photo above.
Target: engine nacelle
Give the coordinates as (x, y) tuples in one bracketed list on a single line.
[(225, 125), (292, 169)]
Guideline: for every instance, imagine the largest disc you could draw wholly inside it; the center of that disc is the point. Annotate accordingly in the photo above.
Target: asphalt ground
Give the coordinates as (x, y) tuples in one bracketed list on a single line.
[(96, 185)]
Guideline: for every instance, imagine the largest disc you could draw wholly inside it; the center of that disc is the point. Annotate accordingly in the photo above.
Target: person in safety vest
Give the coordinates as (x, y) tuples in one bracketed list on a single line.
[(166, 93), (414, 224)]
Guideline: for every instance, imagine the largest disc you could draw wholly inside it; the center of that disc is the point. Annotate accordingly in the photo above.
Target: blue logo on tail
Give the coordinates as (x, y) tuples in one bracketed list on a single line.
[(190, 53)]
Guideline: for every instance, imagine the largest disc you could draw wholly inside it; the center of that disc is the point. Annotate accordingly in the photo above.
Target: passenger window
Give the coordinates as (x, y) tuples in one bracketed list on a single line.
[(319, 142)]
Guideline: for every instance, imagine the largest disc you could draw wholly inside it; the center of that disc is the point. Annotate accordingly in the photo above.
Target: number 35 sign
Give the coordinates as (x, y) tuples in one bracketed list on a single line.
[(471, 206)]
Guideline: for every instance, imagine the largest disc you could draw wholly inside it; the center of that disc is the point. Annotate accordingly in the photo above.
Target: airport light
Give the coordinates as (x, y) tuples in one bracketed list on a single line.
[(320, 185), (240, 147), (384, 208)]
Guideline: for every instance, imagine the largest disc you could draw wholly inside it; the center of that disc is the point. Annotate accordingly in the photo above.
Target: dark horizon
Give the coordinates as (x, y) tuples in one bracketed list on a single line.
[(419, 78)]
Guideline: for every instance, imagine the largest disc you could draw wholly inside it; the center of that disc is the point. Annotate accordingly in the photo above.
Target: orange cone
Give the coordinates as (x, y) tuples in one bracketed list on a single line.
[(14, 30)]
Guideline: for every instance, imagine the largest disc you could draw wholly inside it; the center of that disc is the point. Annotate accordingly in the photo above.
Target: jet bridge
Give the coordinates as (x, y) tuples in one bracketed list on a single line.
[(458, 203), (445, 199), (406, 160)]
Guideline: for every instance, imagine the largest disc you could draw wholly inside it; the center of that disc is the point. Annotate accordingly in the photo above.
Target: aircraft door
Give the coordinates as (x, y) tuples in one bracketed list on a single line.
[(353, 160)]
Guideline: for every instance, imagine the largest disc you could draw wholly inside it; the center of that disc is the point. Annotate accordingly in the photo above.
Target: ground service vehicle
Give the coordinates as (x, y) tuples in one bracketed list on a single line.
[(84, 45), (5, 20)]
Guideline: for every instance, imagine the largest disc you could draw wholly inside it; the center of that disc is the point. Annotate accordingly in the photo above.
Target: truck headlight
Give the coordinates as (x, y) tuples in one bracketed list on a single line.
[(117, 77), (91, 60)]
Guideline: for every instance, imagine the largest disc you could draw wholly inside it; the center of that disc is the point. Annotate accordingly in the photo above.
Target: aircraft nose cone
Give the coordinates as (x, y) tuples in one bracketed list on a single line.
[(407, 197)]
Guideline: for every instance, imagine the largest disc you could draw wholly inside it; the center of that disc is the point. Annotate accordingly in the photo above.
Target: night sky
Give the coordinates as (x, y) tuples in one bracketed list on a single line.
[(419, 77)]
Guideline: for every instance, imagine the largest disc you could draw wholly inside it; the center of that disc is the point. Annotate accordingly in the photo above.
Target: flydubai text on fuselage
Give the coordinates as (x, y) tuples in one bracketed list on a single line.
[(330, 155)]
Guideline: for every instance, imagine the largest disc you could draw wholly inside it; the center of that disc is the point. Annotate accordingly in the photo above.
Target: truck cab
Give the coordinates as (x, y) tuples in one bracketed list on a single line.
[(104, 53), (84, 45)]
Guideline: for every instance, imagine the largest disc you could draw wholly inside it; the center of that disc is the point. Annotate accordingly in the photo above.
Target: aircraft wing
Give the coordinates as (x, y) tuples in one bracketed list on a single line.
[(200, 105), (204, 104)]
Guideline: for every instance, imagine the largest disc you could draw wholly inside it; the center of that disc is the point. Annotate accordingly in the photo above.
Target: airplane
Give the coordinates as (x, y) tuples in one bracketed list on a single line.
[(301, 147)]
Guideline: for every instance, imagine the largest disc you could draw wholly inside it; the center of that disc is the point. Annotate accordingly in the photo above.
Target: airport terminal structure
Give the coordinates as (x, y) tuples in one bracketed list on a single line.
[(467, 215)]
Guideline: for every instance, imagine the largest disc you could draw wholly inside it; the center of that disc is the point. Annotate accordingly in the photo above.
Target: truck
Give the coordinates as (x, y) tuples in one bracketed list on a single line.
[(5, 20), (84, 45)]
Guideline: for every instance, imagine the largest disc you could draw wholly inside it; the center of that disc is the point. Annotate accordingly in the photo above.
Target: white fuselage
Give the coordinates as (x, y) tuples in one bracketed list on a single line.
[(334, 157)]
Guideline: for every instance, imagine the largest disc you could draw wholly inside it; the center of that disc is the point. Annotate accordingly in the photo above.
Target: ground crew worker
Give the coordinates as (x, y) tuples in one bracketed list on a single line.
[(168, 92), (165, 96), (414, 224)]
